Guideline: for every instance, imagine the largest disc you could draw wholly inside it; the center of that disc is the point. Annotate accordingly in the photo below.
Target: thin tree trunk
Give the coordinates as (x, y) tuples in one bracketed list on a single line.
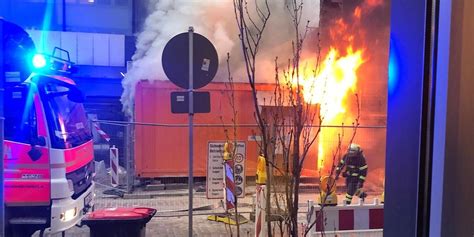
[(267, 199)]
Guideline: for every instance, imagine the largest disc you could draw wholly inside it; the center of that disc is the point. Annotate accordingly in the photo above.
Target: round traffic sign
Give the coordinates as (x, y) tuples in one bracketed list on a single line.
[(239, 169), (238, 179), (239, 158), (238, 191), (175, 60)]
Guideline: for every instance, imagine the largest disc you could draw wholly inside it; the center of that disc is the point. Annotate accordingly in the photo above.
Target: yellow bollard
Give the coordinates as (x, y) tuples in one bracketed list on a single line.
[(382, 197), (260, 208), (227, 151), (261, 176), (328, 191)]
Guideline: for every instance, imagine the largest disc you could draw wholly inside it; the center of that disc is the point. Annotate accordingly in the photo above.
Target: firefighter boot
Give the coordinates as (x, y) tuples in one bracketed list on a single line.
[(362, 195), (348, 199)]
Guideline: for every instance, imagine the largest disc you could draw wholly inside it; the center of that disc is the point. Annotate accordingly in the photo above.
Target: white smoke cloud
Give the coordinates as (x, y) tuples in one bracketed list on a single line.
[(215, 20)]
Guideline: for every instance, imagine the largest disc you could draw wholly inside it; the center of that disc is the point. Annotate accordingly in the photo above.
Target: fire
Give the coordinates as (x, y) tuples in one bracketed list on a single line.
[(320, 151), (329, 88), (336, 77), (357, 13)]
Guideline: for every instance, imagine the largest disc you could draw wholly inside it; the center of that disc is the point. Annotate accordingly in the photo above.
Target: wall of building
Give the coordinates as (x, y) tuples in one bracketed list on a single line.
[(96, 33), (99, 16), (457, 219)]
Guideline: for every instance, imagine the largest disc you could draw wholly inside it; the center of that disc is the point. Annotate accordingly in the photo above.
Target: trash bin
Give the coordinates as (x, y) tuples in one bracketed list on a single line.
[(119, 222)]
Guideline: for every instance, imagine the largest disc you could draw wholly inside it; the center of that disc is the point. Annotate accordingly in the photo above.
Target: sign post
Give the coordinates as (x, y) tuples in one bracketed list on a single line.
[(191, 125), (202, 63)]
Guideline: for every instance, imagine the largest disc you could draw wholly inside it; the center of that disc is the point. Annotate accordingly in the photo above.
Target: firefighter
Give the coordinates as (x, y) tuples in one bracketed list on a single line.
[(355, 172)]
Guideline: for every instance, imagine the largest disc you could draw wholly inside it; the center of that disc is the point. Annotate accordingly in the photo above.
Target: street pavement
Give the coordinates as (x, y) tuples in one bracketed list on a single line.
[(172, 216)]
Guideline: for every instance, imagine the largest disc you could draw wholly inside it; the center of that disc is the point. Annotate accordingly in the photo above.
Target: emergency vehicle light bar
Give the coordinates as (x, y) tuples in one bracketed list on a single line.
[(53, 62)]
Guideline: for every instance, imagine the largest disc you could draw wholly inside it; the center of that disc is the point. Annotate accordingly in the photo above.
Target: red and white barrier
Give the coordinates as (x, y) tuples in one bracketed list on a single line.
[(114, 166), (229, 185), (350, 233), (101, 132), (260, 214), (351, 217)]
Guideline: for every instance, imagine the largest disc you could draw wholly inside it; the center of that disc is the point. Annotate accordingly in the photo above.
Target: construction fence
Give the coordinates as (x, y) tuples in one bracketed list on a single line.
[(153, 160)]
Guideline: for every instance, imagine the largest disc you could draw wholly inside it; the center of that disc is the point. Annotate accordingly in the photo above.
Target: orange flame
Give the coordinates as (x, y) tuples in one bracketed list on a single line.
[(374, 3), (357, 13), (329, 88)]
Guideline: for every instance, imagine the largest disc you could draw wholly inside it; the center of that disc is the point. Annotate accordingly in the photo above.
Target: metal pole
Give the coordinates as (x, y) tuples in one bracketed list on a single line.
[(64, 15), (191, 114), (2, 80), (129, 158)]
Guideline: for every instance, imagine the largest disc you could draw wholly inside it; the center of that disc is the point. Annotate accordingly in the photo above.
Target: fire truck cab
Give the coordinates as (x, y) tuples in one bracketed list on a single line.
[(48, 149)]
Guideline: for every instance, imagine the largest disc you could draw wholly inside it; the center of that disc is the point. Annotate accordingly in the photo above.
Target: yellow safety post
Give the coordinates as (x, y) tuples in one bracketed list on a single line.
[(227, 151), (328, 191), (382, 197), (261, 176), (260, 203)]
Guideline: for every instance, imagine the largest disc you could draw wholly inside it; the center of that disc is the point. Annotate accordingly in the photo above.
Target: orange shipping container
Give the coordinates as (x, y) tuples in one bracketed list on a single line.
[(162, 151)]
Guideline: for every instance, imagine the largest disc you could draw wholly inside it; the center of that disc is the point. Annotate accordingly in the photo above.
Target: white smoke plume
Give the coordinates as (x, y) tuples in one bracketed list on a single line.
[(215, 19)]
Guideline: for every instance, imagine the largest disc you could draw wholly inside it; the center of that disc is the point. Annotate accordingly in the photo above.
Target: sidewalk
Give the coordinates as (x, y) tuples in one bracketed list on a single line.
[(172, 215)]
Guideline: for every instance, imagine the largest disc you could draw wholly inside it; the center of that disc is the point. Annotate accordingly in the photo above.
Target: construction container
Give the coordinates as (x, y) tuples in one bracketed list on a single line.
[(161, 143)]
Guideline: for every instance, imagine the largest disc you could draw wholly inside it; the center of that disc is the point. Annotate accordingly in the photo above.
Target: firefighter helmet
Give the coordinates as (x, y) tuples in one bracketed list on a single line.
[(354, 148)]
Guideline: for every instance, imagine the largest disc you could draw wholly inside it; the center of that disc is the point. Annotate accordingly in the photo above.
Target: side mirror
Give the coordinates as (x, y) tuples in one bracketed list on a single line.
[(75, 95), (34, 153), (39, 141)]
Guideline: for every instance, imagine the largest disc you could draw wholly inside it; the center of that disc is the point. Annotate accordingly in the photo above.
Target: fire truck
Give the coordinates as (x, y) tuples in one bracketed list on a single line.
[(48, 150)]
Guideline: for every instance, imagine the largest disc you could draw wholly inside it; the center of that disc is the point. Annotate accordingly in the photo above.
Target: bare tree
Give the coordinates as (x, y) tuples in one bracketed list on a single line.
[(231, 137), (251, 30), (288, 124)]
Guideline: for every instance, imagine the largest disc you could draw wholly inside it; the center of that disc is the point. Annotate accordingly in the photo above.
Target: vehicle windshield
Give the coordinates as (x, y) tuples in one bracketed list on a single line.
[(67, 119)]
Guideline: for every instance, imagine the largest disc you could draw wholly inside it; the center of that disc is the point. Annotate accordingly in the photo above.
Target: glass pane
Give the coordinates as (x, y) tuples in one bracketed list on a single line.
[(20, 116), (87, 1), (122, 2)]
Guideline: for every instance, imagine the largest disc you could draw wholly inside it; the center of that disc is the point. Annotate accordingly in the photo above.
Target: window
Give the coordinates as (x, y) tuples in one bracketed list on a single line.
[(99, 2), (67, 119), (103, 2), (87, 1), (122, 2), (20, 116)]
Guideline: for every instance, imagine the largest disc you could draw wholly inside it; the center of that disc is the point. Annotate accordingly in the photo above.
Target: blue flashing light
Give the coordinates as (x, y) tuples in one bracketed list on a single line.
[(39, 61), (393, 68)]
